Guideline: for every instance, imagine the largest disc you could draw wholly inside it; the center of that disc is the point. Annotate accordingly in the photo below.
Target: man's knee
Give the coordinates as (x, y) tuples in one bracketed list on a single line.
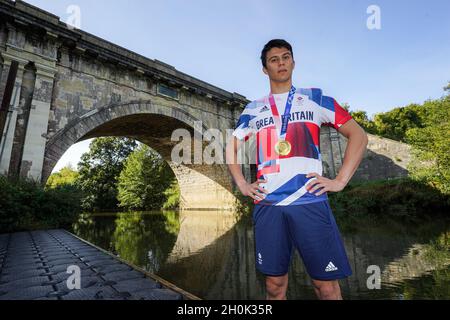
[(329, 290), (276, 286)]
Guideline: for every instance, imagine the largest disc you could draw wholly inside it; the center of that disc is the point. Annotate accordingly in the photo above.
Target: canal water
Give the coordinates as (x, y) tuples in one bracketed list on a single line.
[(211, 254)]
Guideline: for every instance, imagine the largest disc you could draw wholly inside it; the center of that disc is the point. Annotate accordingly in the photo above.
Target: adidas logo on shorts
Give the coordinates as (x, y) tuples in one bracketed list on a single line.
[(330, 267)]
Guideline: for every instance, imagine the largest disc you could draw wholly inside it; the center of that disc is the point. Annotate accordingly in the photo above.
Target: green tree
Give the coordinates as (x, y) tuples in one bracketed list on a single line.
[(173, 196), (144, 180), (431, 145), (394, 124), (363, 120), (99, 170), (66, 176)]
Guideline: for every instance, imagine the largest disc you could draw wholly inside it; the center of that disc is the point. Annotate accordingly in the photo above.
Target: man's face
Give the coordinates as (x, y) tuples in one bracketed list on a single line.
[(279, 64)]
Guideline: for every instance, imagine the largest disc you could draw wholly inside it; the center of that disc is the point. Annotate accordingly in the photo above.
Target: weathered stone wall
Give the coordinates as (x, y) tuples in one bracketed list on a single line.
[(84, 84), (383, 159)]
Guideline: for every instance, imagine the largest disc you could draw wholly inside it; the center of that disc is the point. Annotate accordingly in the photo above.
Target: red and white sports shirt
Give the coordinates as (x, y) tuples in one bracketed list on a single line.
[(286, 175)]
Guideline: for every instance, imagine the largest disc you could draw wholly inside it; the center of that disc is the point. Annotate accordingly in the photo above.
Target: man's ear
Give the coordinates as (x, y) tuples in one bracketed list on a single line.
[(293, 62), (265, 70)]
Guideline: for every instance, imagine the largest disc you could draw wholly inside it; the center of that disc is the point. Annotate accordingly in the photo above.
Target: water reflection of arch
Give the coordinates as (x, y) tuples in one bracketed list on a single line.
[(223, 273)]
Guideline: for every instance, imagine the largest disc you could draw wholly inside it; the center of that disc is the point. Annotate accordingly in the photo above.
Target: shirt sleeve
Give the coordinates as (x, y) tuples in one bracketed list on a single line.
[(244, 128), (333, 114)]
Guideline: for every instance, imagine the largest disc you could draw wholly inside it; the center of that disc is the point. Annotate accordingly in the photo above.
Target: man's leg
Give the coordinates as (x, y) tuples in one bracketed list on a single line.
[(273, 249), (276, 287), (327, 290), (317, 238)]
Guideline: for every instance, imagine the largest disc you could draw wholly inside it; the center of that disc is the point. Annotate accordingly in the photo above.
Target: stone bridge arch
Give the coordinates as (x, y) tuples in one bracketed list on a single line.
[(202, 186)]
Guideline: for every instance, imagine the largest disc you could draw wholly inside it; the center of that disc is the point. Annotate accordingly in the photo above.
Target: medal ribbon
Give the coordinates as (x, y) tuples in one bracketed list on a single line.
[(287, 111)]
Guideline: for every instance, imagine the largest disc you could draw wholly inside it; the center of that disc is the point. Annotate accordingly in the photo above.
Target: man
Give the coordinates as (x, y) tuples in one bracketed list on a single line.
[(291, 204)]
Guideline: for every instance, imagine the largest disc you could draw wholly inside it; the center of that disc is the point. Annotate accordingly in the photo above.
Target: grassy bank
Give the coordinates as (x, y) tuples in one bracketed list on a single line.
[(405, 199), (402, 199), (26, 205)]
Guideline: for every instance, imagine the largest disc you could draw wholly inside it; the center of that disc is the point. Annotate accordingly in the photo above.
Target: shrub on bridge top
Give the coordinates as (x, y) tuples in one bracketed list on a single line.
[(26, 205)]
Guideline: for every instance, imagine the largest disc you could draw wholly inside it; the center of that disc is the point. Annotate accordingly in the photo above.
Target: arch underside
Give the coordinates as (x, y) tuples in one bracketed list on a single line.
[(202, 186)]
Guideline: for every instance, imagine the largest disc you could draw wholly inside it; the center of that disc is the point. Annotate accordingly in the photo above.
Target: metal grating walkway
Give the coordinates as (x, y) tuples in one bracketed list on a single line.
[(33, 266)]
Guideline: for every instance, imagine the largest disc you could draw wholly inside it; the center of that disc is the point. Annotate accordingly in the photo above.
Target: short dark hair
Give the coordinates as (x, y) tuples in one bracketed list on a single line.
[(274, 43)]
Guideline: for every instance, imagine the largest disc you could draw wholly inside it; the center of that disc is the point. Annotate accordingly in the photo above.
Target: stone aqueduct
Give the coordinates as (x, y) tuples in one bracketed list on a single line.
[(60, 85)]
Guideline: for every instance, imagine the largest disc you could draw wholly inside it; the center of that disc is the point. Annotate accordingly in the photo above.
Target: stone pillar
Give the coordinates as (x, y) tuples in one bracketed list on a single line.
[(3, 37), (332, 151), (4, 105), (5, 66), (8, 132), (326, 153), (35, 140), (336, 150), (23, 115), (1, 66), (12, 39), (26, 136)]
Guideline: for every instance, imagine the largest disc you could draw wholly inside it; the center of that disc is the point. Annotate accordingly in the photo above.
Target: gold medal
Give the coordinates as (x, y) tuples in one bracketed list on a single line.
[(283, 148)]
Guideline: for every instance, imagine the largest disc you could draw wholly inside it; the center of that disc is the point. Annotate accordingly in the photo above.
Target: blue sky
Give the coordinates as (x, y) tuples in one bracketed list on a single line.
[(406, 61)]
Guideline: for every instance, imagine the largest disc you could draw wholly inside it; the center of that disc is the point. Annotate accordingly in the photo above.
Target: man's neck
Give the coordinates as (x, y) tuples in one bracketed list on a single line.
[(280, 87)]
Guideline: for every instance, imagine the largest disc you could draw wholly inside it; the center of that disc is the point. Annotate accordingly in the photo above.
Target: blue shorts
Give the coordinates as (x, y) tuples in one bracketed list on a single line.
[(311, 229)]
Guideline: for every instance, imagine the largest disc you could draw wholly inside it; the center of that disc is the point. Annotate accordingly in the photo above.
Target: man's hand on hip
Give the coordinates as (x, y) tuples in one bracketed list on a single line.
[(324, 184), (253, 190)]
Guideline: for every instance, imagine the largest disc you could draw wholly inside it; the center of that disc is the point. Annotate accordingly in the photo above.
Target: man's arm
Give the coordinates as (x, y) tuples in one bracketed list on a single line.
[(356, 146), (246, 188)]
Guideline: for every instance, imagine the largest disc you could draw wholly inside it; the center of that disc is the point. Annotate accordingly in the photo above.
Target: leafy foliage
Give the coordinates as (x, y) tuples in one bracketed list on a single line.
[(172, 196), (364, 121), (26, 205), (66, 176), (143, 181), (405, 199), (431, 146), (99, 171)]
